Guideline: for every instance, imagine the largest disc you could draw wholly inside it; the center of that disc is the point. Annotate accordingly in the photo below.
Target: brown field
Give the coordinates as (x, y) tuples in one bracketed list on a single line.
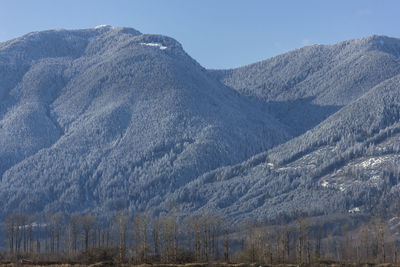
[(216, 264)]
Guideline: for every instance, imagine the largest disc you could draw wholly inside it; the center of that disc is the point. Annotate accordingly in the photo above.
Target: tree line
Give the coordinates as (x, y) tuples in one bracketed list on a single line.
[(85, 238)]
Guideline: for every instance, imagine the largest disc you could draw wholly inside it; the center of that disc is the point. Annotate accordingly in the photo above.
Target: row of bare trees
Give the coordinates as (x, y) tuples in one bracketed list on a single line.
[(142, 239), (139, 239), (307, 242), (52, 233)]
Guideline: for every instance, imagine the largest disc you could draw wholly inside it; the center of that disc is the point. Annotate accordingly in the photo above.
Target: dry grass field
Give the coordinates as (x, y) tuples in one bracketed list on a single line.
[(216, 264)]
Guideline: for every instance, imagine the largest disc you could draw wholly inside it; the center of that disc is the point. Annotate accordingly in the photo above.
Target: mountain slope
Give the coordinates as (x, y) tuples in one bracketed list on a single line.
[(316, 81), (109, 118), (348, 161)]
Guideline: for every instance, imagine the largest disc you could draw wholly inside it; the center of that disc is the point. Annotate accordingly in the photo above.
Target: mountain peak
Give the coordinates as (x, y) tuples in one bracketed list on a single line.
[(377, 42), (102, 26), (106, 28)]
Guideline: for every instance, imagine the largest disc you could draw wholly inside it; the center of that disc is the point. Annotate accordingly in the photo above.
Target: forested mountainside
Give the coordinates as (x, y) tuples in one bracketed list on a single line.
[(108, 118), (349, 162), (305, 86)]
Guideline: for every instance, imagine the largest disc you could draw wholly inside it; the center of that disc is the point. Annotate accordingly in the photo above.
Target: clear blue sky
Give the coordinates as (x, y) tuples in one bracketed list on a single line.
[(217, 33)]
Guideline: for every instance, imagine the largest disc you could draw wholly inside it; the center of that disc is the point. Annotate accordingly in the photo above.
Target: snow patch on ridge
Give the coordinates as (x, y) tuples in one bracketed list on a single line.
[(155, 45), (102, 26)]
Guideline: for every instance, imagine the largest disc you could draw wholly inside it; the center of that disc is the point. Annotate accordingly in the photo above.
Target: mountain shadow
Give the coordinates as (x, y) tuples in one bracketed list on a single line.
[(300, 115)]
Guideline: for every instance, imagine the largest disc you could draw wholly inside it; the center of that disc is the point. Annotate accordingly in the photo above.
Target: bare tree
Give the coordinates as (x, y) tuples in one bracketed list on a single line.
[(381, 237), (123, 222), (55, 226), (87, 222), (140, 225), (156, 238), (19, 231), (169, 233), (74, 222), (9, 224), (68, 240), (226, 242), (193, 232), (30, 222), (38, 233)]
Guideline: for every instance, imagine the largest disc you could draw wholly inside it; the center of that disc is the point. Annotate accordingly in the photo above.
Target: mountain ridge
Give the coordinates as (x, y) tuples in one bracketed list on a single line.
[(132, 109), (326, 77), (109, 118)]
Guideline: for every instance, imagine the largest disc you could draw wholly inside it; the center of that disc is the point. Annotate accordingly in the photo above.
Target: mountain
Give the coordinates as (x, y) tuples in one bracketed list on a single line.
[(101, 119), (349, 161), (307, 85), (108, 118)]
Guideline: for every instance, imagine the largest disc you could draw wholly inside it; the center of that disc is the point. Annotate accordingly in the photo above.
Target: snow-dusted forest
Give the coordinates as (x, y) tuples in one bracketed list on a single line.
[(106, 119)]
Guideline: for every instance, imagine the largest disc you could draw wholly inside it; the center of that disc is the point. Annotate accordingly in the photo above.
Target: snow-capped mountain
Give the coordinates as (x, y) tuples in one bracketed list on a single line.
[(108, 118)]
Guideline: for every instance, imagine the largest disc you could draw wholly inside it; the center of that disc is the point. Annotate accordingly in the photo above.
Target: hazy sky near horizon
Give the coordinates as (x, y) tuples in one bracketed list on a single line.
[(217, 33)]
